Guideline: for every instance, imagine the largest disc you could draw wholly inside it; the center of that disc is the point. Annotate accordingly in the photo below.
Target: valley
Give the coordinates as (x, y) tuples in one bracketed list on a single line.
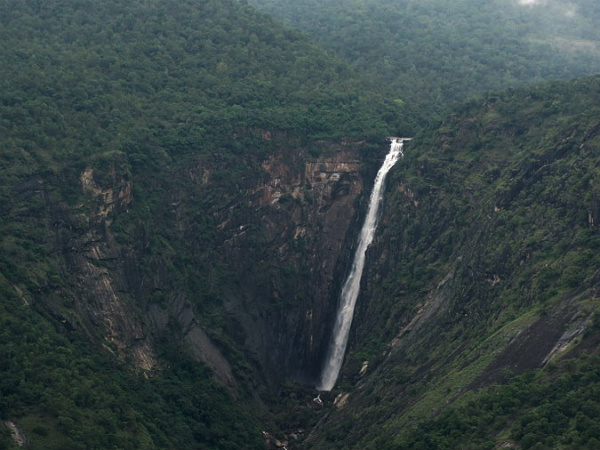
[(184, 184)]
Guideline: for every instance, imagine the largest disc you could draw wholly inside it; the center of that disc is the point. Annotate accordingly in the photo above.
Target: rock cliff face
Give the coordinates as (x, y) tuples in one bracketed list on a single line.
[(264, 273), (307, 213), (283, 248), (96, 268)]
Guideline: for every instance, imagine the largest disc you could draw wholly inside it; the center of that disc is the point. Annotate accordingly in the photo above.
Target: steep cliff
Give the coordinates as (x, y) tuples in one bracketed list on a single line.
[(285, 249), (485, 270), (254, 276), (240, 280), (174, 203)]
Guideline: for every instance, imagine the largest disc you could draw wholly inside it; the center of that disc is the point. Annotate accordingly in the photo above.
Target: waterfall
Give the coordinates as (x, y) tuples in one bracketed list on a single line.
[(351, 287)]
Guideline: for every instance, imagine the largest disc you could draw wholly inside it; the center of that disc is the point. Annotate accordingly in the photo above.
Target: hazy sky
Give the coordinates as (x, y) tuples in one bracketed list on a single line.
[(566, 9), (531, 2)]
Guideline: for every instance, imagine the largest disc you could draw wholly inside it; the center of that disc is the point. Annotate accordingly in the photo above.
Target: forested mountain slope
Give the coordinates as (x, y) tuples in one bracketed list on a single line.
[(478, 322), (435, 52), (170, 170), (181, 186)]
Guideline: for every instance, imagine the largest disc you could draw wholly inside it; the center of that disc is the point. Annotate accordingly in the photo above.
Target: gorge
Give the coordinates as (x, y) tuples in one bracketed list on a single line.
[(189, 198)]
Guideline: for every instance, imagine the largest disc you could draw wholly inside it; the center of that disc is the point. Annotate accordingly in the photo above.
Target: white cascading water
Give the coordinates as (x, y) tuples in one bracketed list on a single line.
[(351, 287)]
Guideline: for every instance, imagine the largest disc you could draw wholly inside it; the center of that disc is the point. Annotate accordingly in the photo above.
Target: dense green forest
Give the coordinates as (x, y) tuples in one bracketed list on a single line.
[(434, 53), (165, 167)]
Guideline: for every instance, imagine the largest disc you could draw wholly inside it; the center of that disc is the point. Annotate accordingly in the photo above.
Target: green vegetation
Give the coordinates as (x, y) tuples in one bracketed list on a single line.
[(150, 99), (67, 395), (490, 240), (434, 53), (107, 78), (135, 138), (554, 409)]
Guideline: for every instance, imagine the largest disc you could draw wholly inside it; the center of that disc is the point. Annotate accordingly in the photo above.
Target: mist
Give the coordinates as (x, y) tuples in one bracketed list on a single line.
[(451, 51)]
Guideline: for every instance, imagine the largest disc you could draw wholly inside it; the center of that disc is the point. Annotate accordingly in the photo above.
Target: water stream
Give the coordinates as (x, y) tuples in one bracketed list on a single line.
[(351, 286)]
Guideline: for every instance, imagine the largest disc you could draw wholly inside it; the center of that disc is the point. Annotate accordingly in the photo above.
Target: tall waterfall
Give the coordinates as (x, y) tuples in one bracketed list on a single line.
[(351, 287)]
